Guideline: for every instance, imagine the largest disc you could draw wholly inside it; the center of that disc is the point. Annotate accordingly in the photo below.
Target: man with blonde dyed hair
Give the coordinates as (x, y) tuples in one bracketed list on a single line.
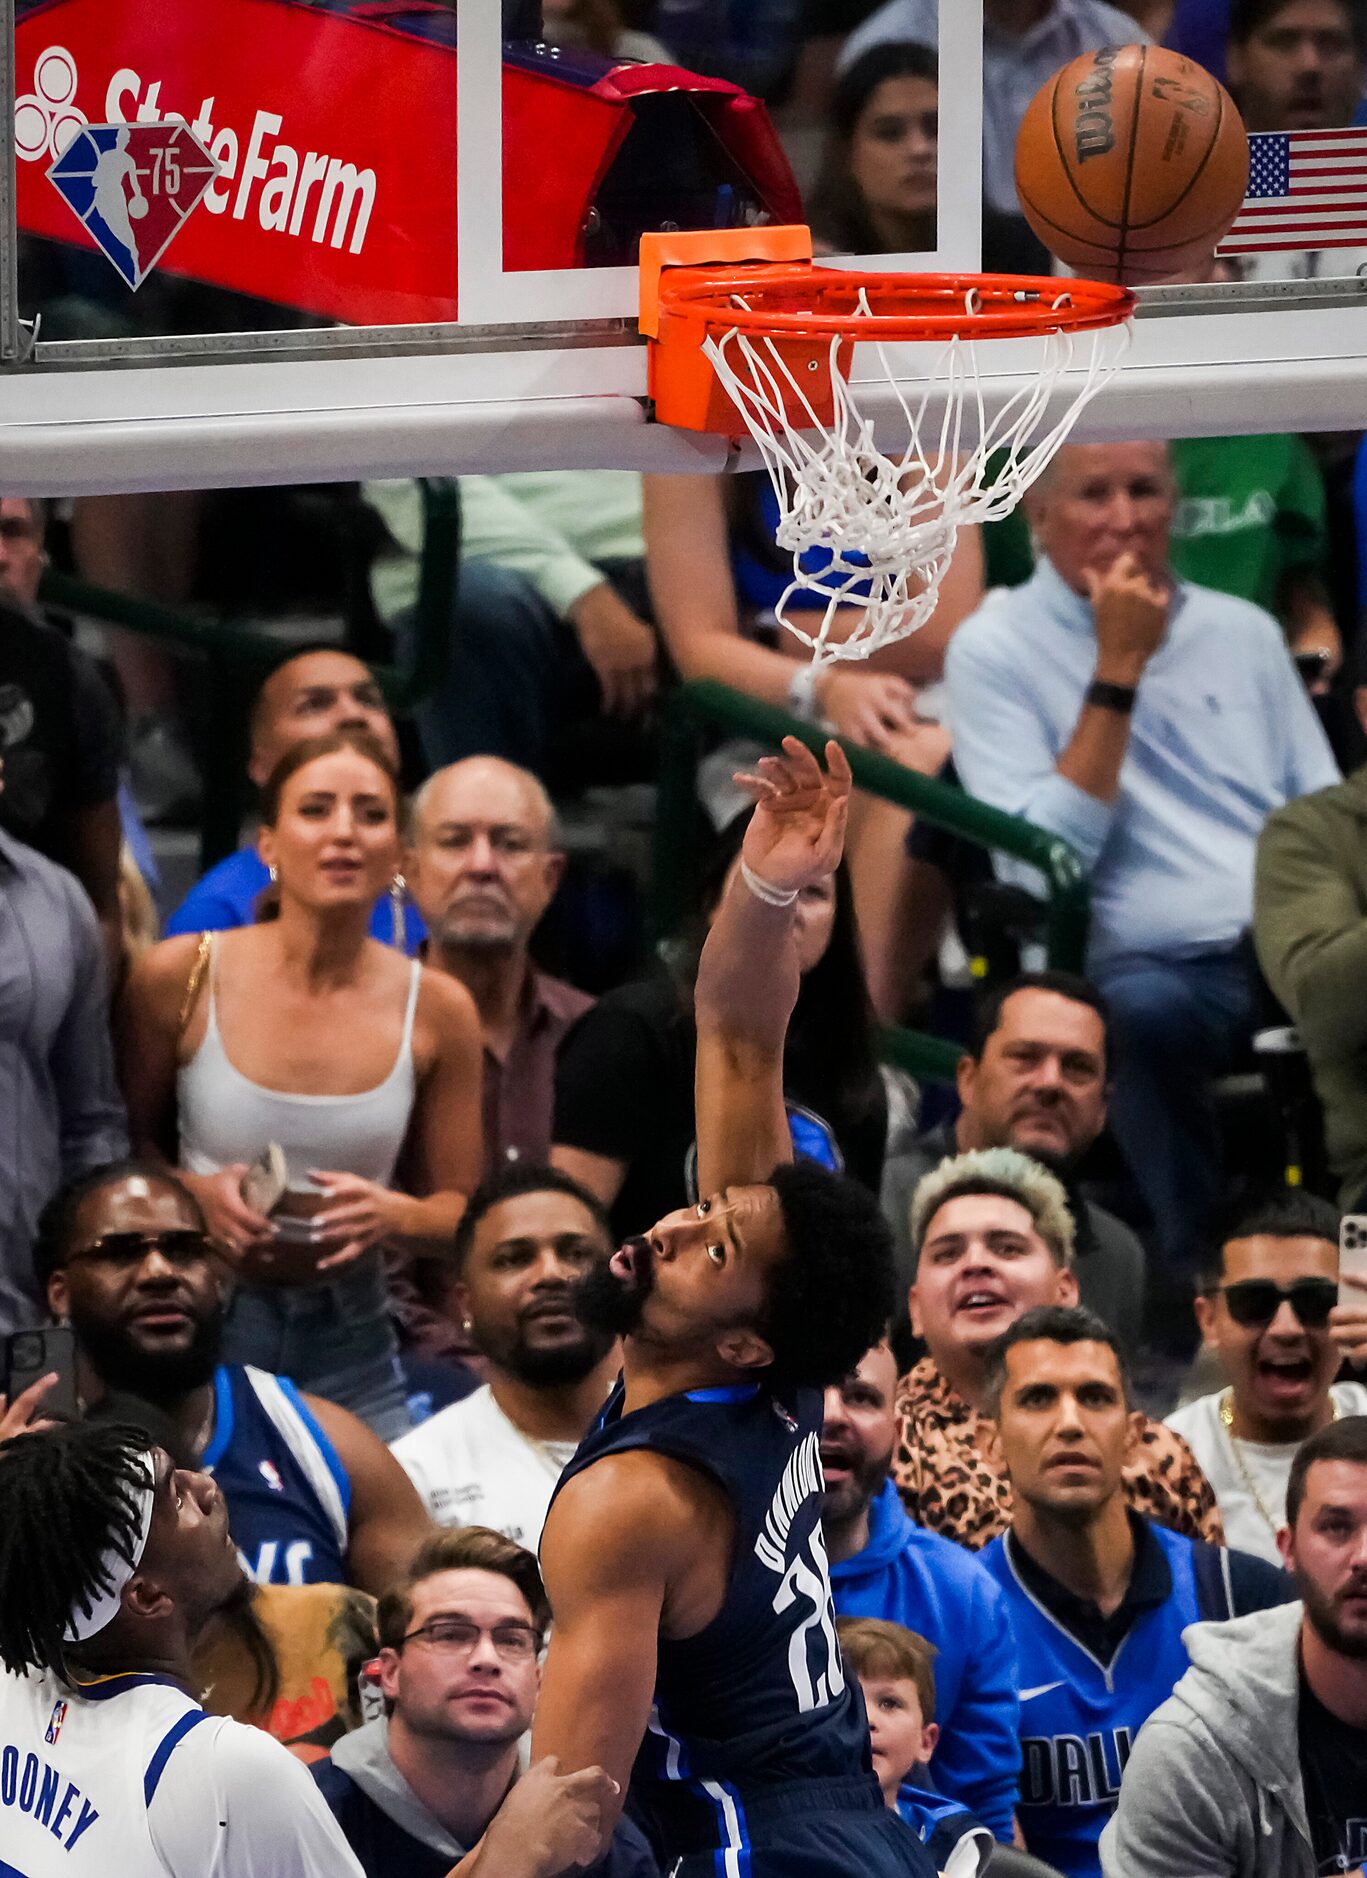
[(993, 1237)]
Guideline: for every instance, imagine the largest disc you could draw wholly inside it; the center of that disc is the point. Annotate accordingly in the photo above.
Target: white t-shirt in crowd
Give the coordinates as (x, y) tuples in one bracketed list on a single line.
[(1268, 1465), (474, 1468), (133, 1780)]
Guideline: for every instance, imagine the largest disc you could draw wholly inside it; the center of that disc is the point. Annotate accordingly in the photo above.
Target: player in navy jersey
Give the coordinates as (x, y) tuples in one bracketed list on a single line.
[(693, 1637), (314, 1497)]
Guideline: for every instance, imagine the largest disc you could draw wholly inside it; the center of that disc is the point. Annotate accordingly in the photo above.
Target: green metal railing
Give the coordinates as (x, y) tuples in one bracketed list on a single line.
[(680, 832), (238, 652)]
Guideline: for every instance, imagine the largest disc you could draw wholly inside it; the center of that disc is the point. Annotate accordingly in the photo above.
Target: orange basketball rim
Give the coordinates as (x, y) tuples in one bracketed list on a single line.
[(763, 283), (746, 334)]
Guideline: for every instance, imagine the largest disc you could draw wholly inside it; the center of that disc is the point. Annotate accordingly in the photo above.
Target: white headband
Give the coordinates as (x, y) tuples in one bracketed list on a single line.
[(89, 1620)]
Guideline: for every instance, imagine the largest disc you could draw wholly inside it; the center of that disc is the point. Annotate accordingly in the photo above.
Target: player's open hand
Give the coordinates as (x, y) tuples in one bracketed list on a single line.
[(550, 1822), (797, 832)]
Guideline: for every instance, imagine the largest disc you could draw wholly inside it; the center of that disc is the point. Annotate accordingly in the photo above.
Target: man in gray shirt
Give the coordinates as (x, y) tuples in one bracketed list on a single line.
[(60, 1109), (1024, 42)]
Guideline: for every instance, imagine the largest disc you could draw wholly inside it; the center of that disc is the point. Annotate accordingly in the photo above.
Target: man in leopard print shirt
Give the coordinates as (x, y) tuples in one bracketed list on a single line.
[(994, 1239)]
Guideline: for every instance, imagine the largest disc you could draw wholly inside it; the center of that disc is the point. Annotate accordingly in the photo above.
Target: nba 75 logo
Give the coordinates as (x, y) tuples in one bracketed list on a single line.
[(131, 186), (54, 1723)]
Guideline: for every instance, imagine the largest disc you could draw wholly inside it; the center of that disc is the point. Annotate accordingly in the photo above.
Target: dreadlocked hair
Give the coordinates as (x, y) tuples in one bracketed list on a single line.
[(68, 1496)]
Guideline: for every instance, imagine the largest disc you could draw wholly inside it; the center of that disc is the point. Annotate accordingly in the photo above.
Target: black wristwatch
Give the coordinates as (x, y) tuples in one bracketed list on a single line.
[(1111, 697)]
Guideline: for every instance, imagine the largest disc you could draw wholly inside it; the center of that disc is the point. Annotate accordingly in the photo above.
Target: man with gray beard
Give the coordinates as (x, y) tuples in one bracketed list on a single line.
[(483, 867)]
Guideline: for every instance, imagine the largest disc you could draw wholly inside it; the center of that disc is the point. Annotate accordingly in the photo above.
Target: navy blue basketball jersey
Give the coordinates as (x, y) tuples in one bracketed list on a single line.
[(758, 1702), (1079, 1717), (288, 1495)]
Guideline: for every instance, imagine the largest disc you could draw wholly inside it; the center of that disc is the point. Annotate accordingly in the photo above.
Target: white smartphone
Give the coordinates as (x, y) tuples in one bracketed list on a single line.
[(1353, 1258), (266, 1179)]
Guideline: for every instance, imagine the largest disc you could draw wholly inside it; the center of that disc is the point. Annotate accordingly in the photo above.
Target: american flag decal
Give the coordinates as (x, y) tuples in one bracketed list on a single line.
[(1306, 189)]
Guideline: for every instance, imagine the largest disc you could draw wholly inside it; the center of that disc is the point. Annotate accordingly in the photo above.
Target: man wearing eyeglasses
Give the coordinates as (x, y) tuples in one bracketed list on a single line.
[(460, 1670), (1269, 1311)]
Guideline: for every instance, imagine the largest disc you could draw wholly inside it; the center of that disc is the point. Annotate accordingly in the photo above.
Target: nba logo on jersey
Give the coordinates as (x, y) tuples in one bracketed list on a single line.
[(54, 1723), (131, 186), (270, 1474), (784, 1417)]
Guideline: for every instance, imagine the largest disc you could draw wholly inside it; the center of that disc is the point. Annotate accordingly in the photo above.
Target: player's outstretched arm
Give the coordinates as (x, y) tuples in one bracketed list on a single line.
[(748, 975)]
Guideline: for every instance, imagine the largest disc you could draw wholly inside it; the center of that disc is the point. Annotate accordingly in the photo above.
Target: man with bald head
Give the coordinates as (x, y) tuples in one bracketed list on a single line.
[(484, 865), (1153, 725), (309, 694)]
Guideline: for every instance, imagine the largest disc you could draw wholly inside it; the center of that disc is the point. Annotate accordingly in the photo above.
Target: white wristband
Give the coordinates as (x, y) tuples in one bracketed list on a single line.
[(762, 889), (802, 692)]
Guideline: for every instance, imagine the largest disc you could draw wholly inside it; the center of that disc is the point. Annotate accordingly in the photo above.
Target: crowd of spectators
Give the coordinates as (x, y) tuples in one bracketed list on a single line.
[(301, 1172)]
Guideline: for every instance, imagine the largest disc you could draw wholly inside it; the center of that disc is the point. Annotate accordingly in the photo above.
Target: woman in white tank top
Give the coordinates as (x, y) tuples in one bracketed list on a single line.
[(305, 1032)]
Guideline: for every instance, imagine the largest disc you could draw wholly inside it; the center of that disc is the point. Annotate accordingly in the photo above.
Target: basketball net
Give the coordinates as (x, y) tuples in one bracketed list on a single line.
[(886, 527)]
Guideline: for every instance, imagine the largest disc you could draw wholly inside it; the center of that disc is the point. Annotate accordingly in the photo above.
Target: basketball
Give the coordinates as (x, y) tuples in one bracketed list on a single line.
[(1131, 164)]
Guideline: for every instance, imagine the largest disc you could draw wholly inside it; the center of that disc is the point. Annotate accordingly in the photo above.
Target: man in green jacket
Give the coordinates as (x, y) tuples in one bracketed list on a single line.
[(1310, 928)]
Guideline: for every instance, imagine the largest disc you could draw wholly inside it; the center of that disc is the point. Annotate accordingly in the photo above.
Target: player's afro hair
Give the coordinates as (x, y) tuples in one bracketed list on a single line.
[(832, 1297)]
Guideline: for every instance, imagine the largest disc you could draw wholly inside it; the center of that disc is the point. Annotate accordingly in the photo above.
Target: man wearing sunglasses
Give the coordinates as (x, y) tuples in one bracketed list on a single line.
[(461, 1636), (1267, 1310), (313, 1496)]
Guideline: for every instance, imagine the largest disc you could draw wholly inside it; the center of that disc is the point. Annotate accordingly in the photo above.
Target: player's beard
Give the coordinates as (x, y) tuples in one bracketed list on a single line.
[(603, 1301)]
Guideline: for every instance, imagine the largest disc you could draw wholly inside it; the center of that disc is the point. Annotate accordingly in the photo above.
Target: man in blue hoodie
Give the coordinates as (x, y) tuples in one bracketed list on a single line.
[(884, 1566)]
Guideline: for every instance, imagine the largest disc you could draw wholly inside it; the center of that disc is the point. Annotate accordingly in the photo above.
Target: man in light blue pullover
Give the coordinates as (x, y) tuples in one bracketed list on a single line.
[(1153, 725), (884, 1566)]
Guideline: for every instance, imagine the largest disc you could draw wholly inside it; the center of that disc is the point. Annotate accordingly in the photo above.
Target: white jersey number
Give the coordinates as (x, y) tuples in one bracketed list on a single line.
[(814, 1642)]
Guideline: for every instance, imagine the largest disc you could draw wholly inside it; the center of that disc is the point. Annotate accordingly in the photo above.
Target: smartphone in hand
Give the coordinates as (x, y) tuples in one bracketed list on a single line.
[(1353, 1257), (266, 1179), (29, 1355)]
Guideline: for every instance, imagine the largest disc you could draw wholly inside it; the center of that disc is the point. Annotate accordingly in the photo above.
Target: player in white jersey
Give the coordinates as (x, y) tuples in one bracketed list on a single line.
[(111, 1562)]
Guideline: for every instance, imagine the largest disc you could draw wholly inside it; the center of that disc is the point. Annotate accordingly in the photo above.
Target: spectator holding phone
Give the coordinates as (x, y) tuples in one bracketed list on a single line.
[(305, 1031), (1267, 1310)]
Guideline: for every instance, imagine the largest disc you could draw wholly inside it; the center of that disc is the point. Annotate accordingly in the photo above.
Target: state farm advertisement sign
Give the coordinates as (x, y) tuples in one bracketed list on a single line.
[(335, 139)]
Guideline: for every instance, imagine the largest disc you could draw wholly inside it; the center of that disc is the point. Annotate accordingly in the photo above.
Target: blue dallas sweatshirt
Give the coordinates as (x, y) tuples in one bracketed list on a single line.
[(913, 1577)]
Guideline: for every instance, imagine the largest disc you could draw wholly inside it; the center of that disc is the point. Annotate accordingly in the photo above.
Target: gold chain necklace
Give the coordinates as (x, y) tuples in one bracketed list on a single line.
[(1250, 1485)]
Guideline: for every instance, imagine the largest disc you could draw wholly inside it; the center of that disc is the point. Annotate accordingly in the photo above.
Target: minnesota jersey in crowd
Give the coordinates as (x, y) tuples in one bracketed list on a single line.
[(287, 1491), (756, 1758)]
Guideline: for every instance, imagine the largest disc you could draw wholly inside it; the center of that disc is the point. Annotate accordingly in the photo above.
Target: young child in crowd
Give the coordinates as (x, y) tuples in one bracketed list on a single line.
[(895, 1668)]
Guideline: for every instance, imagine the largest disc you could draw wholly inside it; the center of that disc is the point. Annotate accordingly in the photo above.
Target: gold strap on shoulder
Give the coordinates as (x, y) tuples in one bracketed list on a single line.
[(201, 965)]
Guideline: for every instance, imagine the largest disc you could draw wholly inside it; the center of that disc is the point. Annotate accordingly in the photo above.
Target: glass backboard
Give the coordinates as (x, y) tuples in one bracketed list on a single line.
[(410, 235)]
